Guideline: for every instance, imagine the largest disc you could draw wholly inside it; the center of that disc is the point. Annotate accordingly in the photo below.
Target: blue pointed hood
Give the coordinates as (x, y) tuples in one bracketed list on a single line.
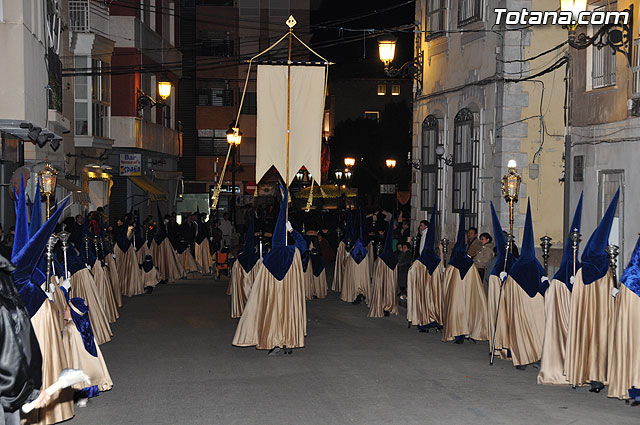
[(631, 276), (428, 256), (139, 233), (459, 258), (359, 250), (279, 259), (161, 233), (595, 261), (527, 270), (348, 233), (26, 259), (22, 226), (501, 246), (248, 257), (36, 212), (388, 256), (565, 271)]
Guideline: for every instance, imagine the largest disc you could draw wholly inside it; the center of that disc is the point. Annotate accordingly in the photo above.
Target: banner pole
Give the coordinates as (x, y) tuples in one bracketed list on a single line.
[(290, 23)]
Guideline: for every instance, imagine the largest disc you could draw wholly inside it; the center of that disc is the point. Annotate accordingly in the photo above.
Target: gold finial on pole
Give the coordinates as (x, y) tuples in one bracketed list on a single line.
[(291, 22)]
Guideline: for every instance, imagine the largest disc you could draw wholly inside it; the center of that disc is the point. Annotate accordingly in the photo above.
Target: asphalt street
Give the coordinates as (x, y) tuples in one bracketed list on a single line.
[(172, 362)]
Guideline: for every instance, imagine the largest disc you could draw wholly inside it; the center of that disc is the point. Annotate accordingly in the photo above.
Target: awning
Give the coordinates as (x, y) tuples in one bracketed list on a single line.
[(155, 192), (167, 175), (78, 196)]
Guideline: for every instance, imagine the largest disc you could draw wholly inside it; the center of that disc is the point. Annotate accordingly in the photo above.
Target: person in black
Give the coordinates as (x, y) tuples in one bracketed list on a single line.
[(20, 356)]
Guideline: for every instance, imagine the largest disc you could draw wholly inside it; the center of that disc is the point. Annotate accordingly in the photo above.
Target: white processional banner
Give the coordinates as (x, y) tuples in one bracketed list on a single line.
[(307, 112)]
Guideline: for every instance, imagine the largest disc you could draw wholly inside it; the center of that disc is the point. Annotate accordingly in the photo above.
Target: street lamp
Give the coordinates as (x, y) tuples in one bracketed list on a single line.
[(234, 138), (617, 36), (412, 68), (349, 162), (48, 176), (391, 163), (347, 174), (510, 190), (338, 174), (164, 89)]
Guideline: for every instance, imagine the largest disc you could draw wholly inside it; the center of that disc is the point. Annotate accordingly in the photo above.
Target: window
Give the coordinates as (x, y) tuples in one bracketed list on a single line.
[(214, 43), (92, 98), (465, 166), (603, 60), (435, 19), (382, 89), (372, 115), (212, 142), (395, 90), (608, 183), (214, 96), (250, 103), (249, 7), (279, 8), (469, 11), (429, 165)]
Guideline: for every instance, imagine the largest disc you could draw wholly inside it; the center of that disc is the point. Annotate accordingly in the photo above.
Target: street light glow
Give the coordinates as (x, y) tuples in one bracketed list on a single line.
[(349, 162), (164, 89), (387, 49), (573, 6), (512, 163), (391, 163)]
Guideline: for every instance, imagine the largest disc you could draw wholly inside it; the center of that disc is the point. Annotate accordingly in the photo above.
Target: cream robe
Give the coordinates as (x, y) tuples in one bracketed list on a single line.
[(501, 332), (83, 286), (46, 326), (338, 274), (465, 305), (557, 301), (275, 314), (589, 341), (525, 318), (105, 292), (241, 283), (356, 280), (203, 257), (385, 289), (624, 364)]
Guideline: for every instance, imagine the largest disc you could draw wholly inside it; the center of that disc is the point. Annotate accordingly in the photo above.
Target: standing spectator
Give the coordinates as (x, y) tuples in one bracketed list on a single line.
[(226, 228), (421, 236), (404, 263), (473, 244), (486, 253)]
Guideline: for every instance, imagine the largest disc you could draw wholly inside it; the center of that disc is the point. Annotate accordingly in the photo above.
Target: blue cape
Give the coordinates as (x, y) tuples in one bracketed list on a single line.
[(595, 260), (527, 270), (565, 271), (428, 256), (631, 276), (459, 258)]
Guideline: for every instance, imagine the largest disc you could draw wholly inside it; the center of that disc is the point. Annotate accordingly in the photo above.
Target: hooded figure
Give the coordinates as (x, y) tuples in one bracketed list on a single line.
[(524, 303), (465, 303), (318, 275), (127, 261), (384, 300), (202, 252), (424, 284), (110, 267), (495, 296), (244, 271), (557, 301), (341, 255), (45, 314), (356, 282), (82, 350), (164, 256), (591, 318), (624, 370), (275, 315)]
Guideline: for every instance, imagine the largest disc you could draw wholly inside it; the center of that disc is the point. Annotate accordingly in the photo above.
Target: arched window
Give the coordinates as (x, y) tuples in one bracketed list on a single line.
[(429, 166), (465, 165)]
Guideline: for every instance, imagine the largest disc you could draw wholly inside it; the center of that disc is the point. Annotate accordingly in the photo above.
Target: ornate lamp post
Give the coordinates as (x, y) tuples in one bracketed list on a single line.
[(53, 239), (64, 238), (234, 138), (575, 241), (613, 251), (48, 177), (445, 247), (618, 36), (546, 245), (511, 189), (412, 68)]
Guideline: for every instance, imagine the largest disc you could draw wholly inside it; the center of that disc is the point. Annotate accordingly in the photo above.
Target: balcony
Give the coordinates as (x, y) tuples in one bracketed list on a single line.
[(133, 132), (89, 16)]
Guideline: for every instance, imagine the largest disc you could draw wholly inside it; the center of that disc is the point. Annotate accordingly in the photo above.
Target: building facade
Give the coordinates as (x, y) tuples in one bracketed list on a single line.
[(605, 117), (488, 97)]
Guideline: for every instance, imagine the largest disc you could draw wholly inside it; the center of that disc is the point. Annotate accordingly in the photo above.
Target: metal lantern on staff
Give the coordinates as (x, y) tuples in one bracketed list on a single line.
[(48, 176), (511, 189)]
